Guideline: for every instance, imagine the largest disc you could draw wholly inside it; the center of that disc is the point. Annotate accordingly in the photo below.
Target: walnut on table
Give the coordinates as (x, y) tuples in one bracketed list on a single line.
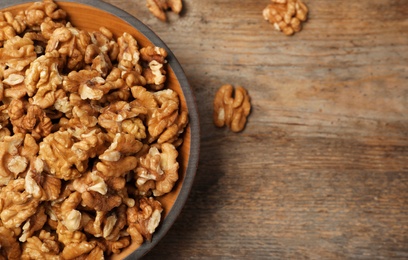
[(286, 15), (158, 7), (231, 107)]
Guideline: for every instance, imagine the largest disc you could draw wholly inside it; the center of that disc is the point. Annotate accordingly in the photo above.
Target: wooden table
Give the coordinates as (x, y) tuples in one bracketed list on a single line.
[(321, 170)]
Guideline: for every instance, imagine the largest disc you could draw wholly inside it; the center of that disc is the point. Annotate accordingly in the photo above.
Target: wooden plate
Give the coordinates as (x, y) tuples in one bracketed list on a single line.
[(92, 14)]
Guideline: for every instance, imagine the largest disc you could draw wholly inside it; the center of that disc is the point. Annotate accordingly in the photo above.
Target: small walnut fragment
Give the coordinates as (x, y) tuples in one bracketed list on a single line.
[(286, 15), (231, 108), (158, 7)]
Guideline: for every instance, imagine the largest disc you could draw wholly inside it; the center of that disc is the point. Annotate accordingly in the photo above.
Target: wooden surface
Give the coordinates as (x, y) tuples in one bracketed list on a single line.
[(321, 170)]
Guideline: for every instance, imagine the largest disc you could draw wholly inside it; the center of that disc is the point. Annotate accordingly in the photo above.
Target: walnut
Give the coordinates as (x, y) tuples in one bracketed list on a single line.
[(231, 109), (36, 13), (144, 97), (29, 118), (43, 78), (129, 55), (133, 78), (113, 115), (117, 168), (286, 15), (135, 127), (155, 72), (145, 217), (74, 250), (12, 163), (102, 51), (17, 53), (67, 159), (10, 247), (96, 253), (39, 184), (99, 202), (66, 236), (166, 116), (71, 43), (43, 246), (17, 204), (90, 181), (10, 26), (158, 7), (13, 86), (159, 166), (115, 224), (94, 224), (122, 145), (47, 28), (114, 247), (33, 224)]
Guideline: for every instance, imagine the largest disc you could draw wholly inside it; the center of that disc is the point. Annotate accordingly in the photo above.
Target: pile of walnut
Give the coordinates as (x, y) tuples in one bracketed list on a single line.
[(159, 7), (88, 138), (286, 15), (231, 107)]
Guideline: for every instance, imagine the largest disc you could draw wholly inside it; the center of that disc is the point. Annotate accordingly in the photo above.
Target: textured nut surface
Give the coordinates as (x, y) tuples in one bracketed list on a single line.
[(231, 107), (158, 7), (88, 134), (286, 15)]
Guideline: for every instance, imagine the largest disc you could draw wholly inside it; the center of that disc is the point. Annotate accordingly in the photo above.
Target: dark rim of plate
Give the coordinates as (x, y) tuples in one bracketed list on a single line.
[(192, 165)]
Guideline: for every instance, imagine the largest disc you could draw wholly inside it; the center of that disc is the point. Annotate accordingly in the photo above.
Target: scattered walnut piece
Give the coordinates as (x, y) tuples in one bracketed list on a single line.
[(286, 15), (158, 7), (231, 108)]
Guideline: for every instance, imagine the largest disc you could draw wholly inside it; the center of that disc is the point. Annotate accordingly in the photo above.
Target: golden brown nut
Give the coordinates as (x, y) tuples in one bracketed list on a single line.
[(99, 202), (167, 121), (66, 158), (159, 166), (90, 181), (112, 116), (144, 217), (43, 246), (10, 247), (129, 55), (158, 7), (29, 118), (10, 26), (17, 204), (155, 72), (71, 43), (36, 13), (286, 15), (17, 53), (12, 163), (43, 78), (34, 223), (231, 109)]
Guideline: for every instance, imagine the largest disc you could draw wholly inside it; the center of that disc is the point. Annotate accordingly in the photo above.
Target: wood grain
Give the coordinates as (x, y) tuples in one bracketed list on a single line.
[(321, 170)]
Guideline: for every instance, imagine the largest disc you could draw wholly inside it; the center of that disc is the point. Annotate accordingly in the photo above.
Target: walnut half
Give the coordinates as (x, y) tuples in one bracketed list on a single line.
[(231, 108), (286, 15), (158, 7)]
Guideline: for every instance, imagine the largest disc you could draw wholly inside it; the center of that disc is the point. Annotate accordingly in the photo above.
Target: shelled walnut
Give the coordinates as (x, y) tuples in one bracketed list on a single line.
[(286, 15), (86, 119), (158, 7), (231, 108)]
